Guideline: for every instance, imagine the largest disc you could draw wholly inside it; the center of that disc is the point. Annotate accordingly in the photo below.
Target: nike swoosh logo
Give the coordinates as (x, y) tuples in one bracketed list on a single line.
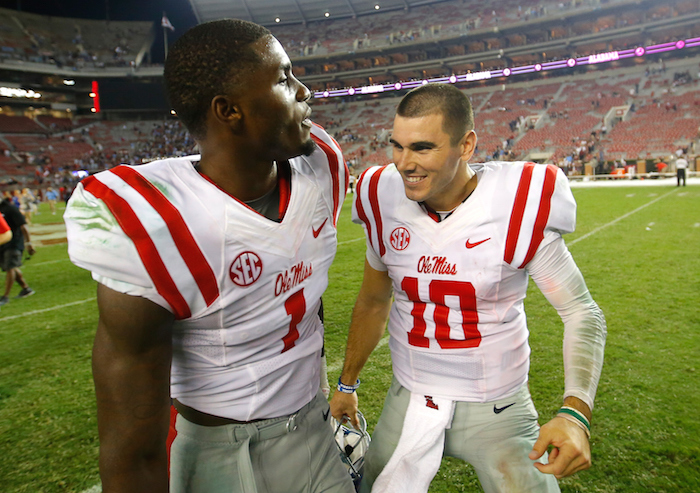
[(316, 232), (499, 410), (472, 245), (325, 415)]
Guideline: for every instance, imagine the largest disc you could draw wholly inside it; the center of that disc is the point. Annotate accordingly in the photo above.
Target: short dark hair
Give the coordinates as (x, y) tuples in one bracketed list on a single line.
[(445, 99), (208, 60)]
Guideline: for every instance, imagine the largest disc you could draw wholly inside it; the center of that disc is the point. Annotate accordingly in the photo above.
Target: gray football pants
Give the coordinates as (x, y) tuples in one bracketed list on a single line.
[(496, 444), (260, 457)]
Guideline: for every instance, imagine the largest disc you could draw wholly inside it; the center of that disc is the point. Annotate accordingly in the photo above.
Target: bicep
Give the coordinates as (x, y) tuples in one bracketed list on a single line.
[(376, 286), (131, 368)]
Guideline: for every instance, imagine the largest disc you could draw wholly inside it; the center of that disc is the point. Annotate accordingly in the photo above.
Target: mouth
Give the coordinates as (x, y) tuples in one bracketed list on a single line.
[(306, 122), (413, 179)]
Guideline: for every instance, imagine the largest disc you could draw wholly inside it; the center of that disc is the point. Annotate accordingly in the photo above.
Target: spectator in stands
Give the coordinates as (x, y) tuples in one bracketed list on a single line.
[(681, 166), (11, 252)]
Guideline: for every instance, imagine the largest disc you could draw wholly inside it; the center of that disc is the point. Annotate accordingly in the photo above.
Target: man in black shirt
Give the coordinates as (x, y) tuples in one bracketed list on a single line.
[(11, 252)]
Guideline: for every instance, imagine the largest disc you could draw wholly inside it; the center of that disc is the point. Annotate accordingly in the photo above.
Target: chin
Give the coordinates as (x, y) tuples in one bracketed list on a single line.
[(411, 195), (308, 147)]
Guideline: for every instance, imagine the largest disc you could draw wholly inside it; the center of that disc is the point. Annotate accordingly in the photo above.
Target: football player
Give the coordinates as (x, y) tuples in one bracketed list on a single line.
[(456, 243), (210, 272)]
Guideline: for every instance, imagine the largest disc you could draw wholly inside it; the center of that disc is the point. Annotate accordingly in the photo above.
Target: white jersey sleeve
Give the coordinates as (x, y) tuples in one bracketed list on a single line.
[(98, 244), (542, 203), (363, 213)]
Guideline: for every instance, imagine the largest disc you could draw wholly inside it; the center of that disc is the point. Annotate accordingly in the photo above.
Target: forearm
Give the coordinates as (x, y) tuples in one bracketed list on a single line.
[(560, 280), (366, 330), (368, 322), (25, 233), (133, 410)]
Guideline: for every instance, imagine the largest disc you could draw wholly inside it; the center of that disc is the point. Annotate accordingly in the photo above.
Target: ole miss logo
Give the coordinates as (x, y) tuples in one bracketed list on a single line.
[(400, 238), (246, 269)]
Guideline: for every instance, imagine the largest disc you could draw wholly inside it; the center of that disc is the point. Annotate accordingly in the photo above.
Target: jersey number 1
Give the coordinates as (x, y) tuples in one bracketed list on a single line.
[(296, 307), (437, 290)]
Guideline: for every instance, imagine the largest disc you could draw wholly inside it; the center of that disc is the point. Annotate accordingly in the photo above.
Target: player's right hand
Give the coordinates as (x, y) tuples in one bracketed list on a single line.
[(344, 407)]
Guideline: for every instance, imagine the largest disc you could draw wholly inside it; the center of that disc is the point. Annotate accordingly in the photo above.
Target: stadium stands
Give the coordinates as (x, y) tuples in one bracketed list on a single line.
[(595, 117)]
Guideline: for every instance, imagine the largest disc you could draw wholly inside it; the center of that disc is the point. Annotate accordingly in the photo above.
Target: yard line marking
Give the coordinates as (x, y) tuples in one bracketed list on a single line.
[(614, 221), (95, 489), (47, 262), (57, 307), (351, 241), (336, 367)]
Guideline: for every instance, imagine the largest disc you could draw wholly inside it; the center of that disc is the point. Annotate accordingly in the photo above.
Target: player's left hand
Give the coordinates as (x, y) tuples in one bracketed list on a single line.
[(30, 250), (571, 450)]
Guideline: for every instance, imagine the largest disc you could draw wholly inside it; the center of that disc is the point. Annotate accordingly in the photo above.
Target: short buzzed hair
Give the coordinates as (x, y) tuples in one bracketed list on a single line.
[(208, 60), (444, 99)]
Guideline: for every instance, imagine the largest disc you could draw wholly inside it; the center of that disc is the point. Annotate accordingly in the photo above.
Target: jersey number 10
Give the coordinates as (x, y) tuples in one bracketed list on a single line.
[(437, 290)]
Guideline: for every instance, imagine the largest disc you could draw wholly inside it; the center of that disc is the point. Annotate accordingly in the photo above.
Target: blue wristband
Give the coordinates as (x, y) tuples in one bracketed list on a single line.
[(348, 389)]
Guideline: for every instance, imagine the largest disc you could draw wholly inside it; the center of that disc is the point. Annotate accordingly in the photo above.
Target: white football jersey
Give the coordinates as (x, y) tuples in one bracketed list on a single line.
[(457, 325), (245, 290)]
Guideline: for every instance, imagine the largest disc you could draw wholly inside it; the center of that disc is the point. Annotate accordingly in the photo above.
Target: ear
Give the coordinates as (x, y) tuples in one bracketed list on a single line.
[(226, 112), (468, 145)]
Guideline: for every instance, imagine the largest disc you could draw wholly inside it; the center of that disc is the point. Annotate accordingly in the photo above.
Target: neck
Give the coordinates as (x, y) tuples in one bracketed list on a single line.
[(238, 175)]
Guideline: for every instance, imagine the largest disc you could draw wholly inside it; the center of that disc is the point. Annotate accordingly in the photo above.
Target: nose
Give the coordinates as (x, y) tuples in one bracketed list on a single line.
[(400, 159), (303, 93)]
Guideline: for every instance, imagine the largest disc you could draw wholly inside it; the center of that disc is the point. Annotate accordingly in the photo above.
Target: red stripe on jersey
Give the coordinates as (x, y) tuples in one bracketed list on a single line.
[(374, 203), (333, 168), (182, 236), (516, 215), (550, 179), (172, 433), (130, 224), (345, 166), (360, 209), (4, 227)]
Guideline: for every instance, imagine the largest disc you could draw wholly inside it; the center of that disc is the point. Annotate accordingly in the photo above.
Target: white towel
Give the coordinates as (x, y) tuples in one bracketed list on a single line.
[(417, 457)]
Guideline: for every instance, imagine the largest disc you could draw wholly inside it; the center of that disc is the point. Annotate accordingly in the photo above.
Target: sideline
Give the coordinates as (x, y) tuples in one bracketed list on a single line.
[(336, 367)]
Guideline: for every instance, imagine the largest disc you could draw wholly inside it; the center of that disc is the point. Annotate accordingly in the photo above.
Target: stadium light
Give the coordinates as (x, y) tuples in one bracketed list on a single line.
[(376, 7), (327, 14), (277, 19), (93, 110), (69, 82), (172, 112)]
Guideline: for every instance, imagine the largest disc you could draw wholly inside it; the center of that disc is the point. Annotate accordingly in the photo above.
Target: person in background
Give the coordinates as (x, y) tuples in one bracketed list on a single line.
[(11, 252), (5, 231), (51, 197), (681, 167), (455, 244)]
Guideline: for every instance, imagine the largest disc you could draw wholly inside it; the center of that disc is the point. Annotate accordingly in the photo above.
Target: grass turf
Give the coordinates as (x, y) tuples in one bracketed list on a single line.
[(643, 270)]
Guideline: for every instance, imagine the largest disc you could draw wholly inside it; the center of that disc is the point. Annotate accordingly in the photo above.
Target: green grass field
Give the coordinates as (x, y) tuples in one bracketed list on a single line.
[(643, 270)]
